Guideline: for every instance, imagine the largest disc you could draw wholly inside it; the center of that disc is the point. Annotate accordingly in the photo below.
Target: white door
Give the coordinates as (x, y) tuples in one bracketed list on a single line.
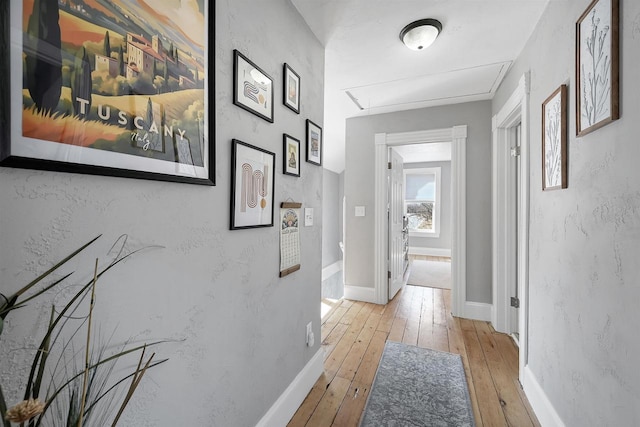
[(396, 211), (515, 258)]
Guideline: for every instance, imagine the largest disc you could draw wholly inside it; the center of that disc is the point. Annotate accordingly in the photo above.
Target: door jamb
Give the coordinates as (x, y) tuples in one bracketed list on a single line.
[(515, 109), (457, 135)]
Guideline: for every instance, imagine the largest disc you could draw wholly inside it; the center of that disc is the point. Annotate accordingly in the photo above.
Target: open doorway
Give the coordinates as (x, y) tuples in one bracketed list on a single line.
[(457, 137), (332, 289)]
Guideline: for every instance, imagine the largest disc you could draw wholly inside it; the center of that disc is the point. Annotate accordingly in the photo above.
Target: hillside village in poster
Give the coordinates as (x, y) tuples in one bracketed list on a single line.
[(121, 75)]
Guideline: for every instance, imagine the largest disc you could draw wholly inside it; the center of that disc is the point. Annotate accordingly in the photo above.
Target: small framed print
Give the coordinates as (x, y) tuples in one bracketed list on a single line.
[(597, 66), (291, 155), (291, 95), (252, 173), (252, 87), (554, 140), (314, 143)]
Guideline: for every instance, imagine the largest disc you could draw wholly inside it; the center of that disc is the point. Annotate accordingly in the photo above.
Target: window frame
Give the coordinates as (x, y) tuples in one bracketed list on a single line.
[(437, 171)]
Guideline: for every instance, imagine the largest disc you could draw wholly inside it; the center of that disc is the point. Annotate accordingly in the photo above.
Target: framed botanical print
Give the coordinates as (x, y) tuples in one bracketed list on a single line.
[(554, 140), (314, 143), (291, 155), (597, 66), (121, 91), (252, 185), (291, 84), (252, 87)]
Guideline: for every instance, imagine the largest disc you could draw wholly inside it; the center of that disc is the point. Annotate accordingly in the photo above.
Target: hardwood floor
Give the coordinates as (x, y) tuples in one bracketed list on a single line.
[(353, 338)]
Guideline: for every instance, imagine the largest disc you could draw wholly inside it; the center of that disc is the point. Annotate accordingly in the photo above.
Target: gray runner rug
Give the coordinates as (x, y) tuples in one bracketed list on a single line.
[(418, 387)]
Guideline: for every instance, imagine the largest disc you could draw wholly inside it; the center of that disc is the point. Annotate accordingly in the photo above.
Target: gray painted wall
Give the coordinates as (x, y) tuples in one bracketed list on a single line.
[(359, 187), (584, 246), (444, 241), (332, 218), (243, 327)]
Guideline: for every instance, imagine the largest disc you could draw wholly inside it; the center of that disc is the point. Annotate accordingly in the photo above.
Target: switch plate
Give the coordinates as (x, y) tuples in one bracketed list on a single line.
[(308, 217), (360, 211)]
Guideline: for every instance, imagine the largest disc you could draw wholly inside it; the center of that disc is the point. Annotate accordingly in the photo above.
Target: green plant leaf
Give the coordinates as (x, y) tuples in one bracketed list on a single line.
[(3, 410)]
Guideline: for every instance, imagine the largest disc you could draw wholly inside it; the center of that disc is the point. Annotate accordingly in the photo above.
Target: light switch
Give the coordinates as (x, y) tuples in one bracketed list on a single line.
[(308, 217), (360, 211)]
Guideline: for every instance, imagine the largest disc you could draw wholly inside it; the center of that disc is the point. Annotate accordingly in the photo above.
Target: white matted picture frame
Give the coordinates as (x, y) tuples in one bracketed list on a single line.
[(291, 155), (252, 87), (252, 186), (314, 143), (597, 66), (554, 140), (291, 85)]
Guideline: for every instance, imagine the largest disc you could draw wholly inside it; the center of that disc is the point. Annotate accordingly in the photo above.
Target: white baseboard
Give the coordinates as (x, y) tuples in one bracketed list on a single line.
[(360, 293), (331, 269), (288, 403), (539, 401), (477, 311), (415, 250)]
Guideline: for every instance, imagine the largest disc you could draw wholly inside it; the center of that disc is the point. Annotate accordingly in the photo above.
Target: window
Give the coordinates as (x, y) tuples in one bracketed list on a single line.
[(422, 201)]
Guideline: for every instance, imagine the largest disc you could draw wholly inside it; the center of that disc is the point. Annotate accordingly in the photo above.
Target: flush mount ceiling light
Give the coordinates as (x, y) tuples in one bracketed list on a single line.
[(420, 34)]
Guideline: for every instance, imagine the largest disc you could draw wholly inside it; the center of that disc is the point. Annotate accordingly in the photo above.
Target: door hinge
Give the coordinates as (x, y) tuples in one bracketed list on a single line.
[(515, 302), (515, 151), (388, 275), (389, 165)]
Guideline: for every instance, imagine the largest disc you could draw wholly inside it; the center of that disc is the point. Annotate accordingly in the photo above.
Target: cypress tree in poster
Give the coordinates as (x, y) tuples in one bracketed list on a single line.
[(43, 61), (107, 45), (81, 84)]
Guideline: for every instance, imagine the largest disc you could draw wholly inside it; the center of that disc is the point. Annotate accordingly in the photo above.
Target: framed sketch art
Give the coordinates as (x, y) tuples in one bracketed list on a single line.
[(554, 140), (100, 89), (252, 173), (597, 66), (291, 95), (291, 156), (252, 87), (314, 143)]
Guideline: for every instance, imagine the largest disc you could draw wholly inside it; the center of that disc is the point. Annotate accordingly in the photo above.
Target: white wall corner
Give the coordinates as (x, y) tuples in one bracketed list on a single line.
[(360, 293), (542, 407), (288, 403), (477, 311)]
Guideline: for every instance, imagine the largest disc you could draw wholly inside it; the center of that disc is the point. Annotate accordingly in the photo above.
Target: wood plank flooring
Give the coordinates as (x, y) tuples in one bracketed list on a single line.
[(353, 338)]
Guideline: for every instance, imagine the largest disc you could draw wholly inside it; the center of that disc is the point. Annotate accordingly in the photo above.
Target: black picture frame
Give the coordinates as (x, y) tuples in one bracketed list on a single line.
[(252, 170), (290, 155), (41, 128), (291, 89), (597, 66), (314, 143), (252, 87)]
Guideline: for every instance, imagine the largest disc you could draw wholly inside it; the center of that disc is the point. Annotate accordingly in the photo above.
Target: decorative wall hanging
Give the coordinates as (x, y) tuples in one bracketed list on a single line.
[(291, 156), (597, 70), (289, 237), (291, 84), (252, 87), (252, 173), (314, 143), (554, 140), (119, 91)]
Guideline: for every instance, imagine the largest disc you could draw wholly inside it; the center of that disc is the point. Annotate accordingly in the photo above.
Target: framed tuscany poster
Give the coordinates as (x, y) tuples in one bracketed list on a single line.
[(252, 174), (111, 88)]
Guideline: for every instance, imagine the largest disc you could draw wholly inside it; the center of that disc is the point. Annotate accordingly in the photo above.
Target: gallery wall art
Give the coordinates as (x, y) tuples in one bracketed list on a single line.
[(110, 88), (253, 88), (554, 140)]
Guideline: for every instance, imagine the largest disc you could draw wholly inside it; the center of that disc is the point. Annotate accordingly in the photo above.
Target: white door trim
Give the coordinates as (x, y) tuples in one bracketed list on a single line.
[(515, 110), (457, 135)]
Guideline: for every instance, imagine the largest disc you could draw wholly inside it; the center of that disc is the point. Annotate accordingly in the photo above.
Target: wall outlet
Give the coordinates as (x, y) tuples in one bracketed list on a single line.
[(310, 337)]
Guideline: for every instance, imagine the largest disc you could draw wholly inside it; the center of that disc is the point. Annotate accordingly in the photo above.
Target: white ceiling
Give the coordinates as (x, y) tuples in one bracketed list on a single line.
[(365, 59), (420, 153)]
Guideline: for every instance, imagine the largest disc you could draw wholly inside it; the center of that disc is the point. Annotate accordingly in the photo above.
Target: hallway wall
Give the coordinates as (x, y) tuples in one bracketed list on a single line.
[(238, 329), (359, 188), (584, 246)]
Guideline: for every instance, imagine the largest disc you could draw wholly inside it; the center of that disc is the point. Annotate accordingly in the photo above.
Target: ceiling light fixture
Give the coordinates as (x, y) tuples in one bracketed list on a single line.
[(420, 34)]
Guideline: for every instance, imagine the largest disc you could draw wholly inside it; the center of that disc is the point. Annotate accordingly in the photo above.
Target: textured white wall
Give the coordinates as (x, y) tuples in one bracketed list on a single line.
[(243, 327), (359, 189), (585, 241)]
